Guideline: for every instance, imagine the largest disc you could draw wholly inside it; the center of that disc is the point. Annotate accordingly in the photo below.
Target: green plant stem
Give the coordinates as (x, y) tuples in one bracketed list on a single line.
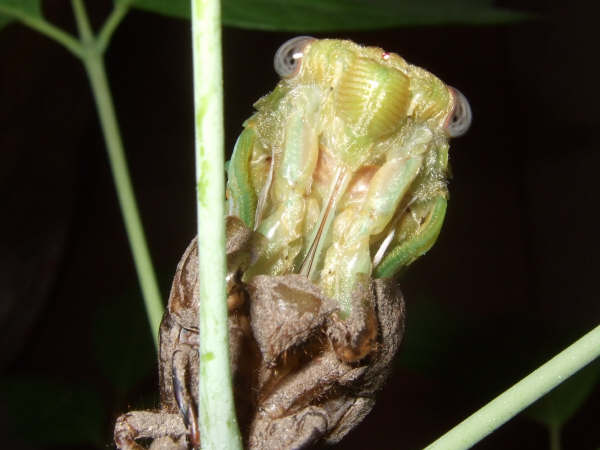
[(218, 423), (89, 50), (118, 13), (522, 394), (45, 28), (94, 64), (554, 436)]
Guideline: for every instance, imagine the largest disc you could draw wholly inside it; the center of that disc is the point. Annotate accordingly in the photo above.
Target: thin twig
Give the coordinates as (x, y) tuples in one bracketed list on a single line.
[(520, 395), (118, 13), (46, 28), (94, 65)]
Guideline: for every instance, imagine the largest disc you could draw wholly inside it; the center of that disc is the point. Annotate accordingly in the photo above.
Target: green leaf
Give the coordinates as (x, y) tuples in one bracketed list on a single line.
[(17, 8), (50, 412), (4, 20), (336, 15), (432, 330), (559, 405), (122, 342), (171, 8), (14, 9)]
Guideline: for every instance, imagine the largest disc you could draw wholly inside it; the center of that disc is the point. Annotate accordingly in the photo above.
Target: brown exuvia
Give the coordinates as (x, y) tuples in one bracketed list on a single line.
[(302, 374)]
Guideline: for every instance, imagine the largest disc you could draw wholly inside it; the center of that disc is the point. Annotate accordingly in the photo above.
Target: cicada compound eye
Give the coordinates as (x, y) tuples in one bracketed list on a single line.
[(289, 56), (460, 120)]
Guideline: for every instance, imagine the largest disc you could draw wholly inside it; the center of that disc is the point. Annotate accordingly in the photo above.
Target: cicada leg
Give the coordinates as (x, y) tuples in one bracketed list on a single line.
[(148, 424), (185, 401), (283, 223), (316, 240), (349, 254), (241, 196), (427, 219)]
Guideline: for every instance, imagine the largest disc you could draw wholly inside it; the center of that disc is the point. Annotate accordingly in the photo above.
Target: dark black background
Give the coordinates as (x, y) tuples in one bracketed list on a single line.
[(511, 281)]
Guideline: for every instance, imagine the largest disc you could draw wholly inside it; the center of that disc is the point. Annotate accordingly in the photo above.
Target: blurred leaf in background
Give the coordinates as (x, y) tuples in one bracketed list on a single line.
[(336, 15), (29, 7), (19, 8), (4, 21), (122, 343), (431, 330), (558, 406)]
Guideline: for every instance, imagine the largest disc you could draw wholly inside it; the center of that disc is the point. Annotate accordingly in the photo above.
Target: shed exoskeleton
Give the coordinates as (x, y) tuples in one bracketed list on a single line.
[(293, 386)]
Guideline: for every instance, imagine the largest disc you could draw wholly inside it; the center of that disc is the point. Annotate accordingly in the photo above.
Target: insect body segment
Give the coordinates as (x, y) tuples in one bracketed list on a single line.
[(347, 162)]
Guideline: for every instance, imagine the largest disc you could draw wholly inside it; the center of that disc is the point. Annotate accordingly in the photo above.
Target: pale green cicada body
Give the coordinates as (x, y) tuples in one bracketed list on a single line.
[(342, 171)]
